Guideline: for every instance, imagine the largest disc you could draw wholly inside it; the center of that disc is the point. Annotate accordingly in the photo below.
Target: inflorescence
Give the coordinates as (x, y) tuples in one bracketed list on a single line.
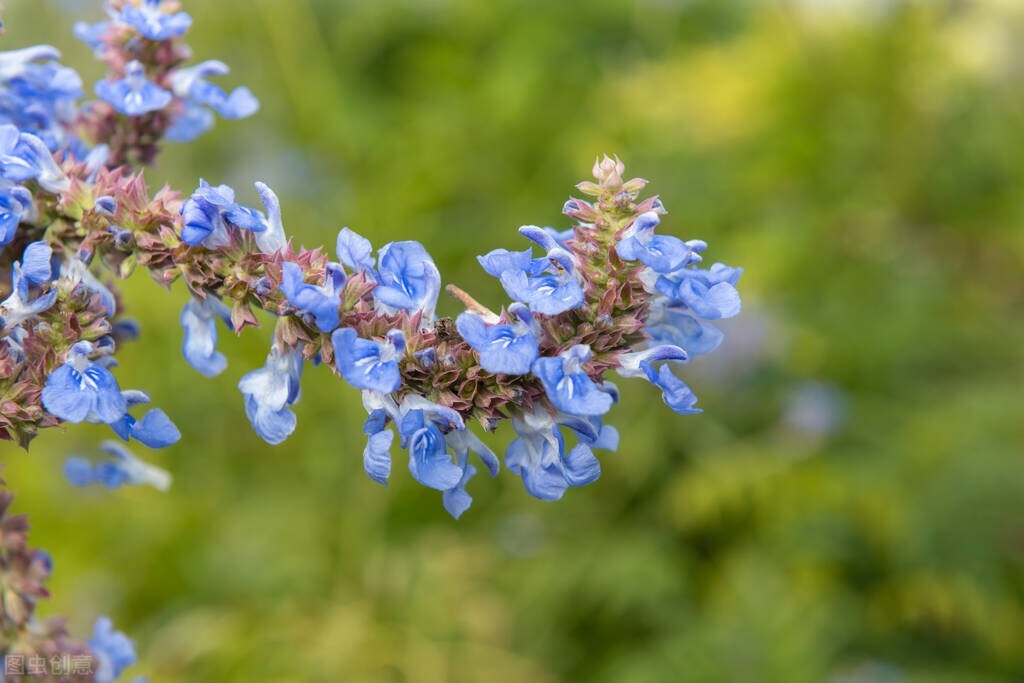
[(608, 295)]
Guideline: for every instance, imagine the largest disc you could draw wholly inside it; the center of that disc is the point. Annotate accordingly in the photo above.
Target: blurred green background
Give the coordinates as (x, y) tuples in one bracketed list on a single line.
[(849, 508)]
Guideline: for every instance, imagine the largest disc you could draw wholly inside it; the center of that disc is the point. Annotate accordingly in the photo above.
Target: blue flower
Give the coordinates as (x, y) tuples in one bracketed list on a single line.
[(24, 156), (427, 430), (319, 301), (354, 251), (133, 95), (407, 278), (203, 222), (509, 349), (547, 285), (671, 323), (113, 650), (269, 390), (208, 213), (366, 364), (429, 462), (568, 386), (199, 346), (709, 294), (191, 84), (152, 22), (154, 430), (83, 390), (538, 456), (199, 95), (462, 442), (675, 393), (661, 253), (13, 164), (123, 470)]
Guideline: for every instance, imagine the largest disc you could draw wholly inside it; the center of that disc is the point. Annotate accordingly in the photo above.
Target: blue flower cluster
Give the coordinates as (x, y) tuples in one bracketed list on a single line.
[(185, 92), (685, 298), (428, 431), (405, 278)]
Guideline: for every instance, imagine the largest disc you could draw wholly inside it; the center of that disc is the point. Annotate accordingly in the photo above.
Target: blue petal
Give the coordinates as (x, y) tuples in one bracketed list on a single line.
[(675, 393), (199, 346), (156, 430), (501, 260), (457, 500), (547, 294), (376, 421), (154, 24), (113, 649), (407, 277), (720, 300), (542, 476), (509, 349), (359, 362), (79, 471), (675, 327), (354, 251), (539, 235), (573, 393), (377, 456), (309, 298), (190, 124), (133, 95), (273, 426), (429, 462), (581, 467), (36, 262), (75, 396)]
